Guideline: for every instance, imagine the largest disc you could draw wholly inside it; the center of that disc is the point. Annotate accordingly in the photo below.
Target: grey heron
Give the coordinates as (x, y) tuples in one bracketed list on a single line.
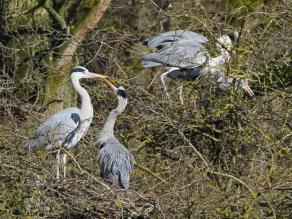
[(67, 127), (115, 161), (184, 55)]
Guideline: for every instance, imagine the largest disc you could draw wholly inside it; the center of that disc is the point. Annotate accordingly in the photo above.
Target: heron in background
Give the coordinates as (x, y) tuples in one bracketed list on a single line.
[(184, 55), (115, 161), (66, 128)]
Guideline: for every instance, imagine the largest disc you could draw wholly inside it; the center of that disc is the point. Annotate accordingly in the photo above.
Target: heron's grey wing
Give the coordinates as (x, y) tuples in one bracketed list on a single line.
[(56, 130), (173, 36), (184, 42), (183, 55), (149, 64), (190, 35), (116, 162)]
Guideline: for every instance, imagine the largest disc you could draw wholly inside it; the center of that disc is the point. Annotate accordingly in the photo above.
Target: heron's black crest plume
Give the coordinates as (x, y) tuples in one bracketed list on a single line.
[(122, 93), (78, 69), (232, 37)]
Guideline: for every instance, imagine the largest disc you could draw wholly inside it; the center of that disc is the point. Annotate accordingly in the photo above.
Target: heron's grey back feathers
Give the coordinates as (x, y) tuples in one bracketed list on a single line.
[(181, 54), (116, 162), (175, 35)]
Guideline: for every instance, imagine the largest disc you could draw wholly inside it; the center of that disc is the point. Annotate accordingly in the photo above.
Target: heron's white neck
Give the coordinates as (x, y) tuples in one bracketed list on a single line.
[(108, 128), (86, 106), (219, 60), (216, 64)]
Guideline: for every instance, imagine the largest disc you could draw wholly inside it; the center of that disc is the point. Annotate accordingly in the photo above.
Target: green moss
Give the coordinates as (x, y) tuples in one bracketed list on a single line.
[(249, 4), (89, 8)]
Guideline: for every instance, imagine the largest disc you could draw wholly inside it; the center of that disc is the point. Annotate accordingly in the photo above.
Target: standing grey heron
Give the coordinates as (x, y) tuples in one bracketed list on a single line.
[(184, 55), (115, 161), (66, 128)]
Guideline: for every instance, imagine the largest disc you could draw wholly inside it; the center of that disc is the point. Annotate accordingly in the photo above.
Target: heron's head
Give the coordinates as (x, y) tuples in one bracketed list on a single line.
[(122, 98), (121, 94), (225, 42), (82, 72), (224, 83), (243, 84)]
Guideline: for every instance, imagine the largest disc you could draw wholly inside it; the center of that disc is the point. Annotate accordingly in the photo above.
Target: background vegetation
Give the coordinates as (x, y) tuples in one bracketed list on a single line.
[(228, 157)]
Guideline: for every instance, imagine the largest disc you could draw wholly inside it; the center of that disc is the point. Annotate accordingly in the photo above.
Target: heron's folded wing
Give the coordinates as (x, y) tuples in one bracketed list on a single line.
[(183, 55), (148, 64), (59, 126), (174, 36), (115, 162)]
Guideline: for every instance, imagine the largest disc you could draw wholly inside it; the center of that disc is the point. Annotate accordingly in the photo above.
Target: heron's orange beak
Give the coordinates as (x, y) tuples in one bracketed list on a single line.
[(105, 78)]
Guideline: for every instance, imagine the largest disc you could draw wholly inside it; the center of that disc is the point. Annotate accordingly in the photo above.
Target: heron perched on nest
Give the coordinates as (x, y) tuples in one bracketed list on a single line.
[(184, 56)]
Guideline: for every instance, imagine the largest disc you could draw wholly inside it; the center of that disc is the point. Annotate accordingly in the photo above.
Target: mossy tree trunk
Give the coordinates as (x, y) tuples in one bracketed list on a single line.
[(58, 86), (40, 39)]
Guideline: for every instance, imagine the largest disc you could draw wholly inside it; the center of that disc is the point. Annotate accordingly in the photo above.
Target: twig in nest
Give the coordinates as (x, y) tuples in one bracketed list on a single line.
[(148, 87), (87, 173), (234, 178), (145, 169), (189, 142)]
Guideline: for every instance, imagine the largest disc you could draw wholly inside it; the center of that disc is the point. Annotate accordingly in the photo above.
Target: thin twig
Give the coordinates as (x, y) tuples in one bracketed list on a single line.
[(189, 142), (234, 178), (87, 173), (148, 87), (194, 148), (145, 169)]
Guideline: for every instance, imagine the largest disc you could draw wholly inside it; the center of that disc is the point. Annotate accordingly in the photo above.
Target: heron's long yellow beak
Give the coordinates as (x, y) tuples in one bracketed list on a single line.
[(106, 79), (95, 75), (110, 85)]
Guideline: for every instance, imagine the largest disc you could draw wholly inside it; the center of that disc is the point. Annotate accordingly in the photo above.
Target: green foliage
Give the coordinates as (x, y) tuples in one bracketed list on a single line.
[(249, 4)]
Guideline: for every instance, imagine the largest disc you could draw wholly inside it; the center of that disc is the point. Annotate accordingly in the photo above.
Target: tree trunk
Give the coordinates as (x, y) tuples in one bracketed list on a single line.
[(58, 86)]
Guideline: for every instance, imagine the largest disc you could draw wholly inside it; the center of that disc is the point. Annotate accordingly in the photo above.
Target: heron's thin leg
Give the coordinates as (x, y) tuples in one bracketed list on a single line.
[(58, 164), (162, 76), (64, 161), (181, 98)]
